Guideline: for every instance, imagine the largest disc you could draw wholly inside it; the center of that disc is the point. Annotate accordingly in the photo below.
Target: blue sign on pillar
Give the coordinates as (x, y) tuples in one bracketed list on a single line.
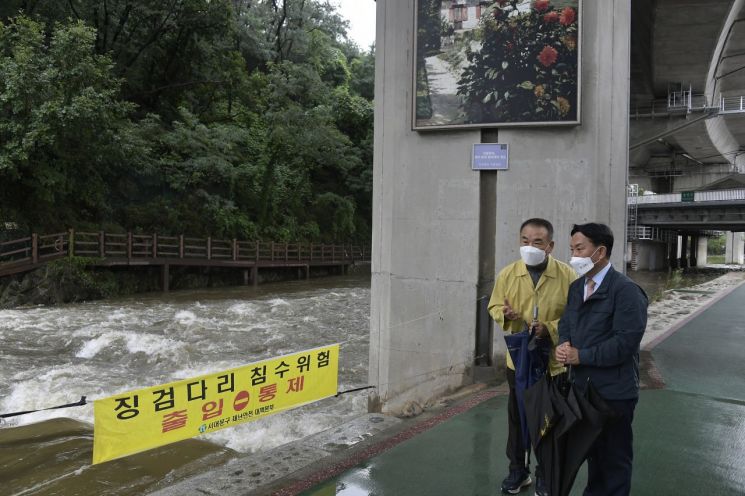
[(490, 156)]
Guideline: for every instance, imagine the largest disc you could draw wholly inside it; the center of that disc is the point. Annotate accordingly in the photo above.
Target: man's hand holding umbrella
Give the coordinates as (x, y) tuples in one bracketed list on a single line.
[(539, 328), (567, 354)]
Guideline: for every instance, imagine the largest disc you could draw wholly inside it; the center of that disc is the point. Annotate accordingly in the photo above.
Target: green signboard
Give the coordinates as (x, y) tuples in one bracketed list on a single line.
[(687, 196)]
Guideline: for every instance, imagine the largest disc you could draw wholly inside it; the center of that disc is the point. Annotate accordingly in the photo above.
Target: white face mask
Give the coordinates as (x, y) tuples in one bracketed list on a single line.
[(583, 265), (531, 255)]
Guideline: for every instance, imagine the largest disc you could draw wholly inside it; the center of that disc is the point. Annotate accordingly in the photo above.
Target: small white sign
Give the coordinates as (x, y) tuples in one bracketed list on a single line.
[(490, 156)]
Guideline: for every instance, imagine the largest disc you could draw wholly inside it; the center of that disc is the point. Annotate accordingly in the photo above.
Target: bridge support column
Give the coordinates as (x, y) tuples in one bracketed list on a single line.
[(673, 254), (165, 277), (735, 248), (246, 277), (255, 275), (693, 253), (702, 252), (650, 255), (683, 252)]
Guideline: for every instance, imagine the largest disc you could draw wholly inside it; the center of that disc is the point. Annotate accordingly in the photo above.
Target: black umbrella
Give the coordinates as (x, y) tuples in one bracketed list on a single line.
[(580, 438), (563, 423)]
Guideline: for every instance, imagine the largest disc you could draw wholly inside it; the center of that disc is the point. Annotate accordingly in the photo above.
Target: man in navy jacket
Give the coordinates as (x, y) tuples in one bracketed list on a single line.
[(599, 335)]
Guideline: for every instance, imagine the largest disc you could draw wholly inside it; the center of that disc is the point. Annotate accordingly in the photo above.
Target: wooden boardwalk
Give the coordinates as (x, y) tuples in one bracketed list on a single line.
[(112, 250)]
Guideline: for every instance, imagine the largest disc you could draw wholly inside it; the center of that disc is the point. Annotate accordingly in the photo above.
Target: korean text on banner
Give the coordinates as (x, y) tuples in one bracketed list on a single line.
[(139, 420)]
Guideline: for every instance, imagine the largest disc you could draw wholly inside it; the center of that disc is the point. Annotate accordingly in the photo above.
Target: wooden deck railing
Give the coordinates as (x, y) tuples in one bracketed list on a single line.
[(37, 248)]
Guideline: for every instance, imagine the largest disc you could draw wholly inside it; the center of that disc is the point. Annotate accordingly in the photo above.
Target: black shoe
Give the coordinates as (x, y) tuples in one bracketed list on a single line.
[(517, 480), (540, 487)]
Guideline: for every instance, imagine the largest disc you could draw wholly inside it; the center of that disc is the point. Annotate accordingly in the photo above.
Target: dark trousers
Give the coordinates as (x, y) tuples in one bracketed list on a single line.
[(610, 459), (515, 446)]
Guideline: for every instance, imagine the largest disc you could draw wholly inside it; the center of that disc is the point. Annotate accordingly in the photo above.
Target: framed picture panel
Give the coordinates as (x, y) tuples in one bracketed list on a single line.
[(495, 63)]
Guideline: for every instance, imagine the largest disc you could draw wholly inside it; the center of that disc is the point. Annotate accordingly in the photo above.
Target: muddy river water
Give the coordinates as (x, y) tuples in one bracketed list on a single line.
[(54, 355)]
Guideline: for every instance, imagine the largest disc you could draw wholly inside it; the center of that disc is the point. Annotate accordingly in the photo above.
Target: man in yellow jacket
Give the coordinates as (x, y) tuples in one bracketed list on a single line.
[(536, 281)]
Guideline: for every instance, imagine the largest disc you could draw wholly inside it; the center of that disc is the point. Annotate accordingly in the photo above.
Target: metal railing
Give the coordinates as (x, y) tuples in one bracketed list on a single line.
[(30, 251), (649, 233), (731, 104), (652, 108), (677, 102), (686, 100), (698, 196)]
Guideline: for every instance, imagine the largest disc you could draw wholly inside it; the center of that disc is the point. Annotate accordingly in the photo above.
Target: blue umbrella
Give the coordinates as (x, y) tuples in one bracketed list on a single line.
[(530, 356)]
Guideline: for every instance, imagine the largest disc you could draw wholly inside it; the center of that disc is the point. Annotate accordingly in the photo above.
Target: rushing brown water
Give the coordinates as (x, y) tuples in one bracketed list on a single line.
[(654, 283), (53, 457), (54, 355)]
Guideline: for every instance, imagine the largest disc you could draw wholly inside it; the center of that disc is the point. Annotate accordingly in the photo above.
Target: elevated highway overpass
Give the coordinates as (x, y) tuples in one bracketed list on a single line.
[(671, 230), (692, 211), (687, 113), (687, 130)]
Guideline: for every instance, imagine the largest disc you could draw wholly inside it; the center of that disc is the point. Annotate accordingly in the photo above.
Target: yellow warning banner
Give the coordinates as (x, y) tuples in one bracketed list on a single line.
[(139, 420)]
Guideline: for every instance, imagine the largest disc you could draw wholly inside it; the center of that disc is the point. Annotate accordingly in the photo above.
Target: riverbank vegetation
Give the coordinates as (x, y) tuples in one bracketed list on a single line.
[(248, 119)]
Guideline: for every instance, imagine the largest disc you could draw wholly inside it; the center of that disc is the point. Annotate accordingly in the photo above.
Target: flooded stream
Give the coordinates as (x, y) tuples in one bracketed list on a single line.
[(54, 355)]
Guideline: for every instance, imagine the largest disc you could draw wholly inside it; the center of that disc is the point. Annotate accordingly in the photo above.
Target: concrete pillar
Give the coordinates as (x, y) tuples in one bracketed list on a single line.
[(650, 255), (683, 251), (673, 253), (165, 278), (692, 254), (428, 205), (629, 257), (702, 251), (657, 260), (735, 248)]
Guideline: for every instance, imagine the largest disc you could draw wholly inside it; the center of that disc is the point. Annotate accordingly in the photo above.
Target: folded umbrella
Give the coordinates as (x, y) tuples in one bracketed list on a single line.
[(550, 416), (530, 358), (580, 438), (563, 423)]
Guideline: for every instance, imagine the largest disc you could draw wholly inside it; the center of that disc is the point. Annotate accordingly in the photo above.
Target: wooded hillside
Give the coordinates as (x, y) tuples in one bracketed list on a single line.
[(248, 119)]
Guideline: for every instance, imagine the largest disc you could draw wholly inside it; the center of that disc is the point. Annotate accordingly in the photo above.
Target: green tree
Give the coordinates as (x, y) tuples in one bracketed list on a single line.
[(362, 69), (230, 118), (63, 129)]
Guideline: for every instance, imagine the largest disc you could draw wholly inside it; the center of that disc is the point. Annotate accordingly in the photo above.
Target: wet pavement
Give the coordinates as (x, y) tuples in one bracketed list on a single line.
[(689, 426)]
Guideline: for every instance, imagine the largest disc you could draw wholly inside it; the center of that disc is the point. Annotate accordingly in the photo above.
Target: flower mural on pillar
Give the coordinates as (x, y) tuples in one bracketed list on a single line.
[(498, 63)]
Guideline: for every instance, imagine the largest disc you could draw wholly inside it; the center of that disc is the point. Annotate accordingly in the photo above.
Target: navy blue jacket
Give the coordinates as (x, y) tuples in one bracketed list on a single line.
[(607, 330)]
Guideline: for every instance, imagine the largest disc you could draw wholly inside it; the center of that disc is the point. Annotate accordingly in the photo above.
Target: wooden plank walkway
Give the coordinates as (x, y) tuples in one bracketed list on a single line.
[(110, 250)]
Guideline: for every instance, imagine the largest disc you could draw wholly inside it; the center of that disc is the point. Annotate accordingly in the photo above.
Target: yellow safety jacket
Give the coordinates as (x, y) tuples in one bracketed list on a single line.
[(550, 294)]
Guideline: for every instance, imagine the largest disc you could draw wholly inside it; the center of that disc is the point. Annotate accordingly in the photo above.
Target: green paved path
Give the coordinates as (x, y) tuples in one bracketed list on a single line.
[(689, 436)]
